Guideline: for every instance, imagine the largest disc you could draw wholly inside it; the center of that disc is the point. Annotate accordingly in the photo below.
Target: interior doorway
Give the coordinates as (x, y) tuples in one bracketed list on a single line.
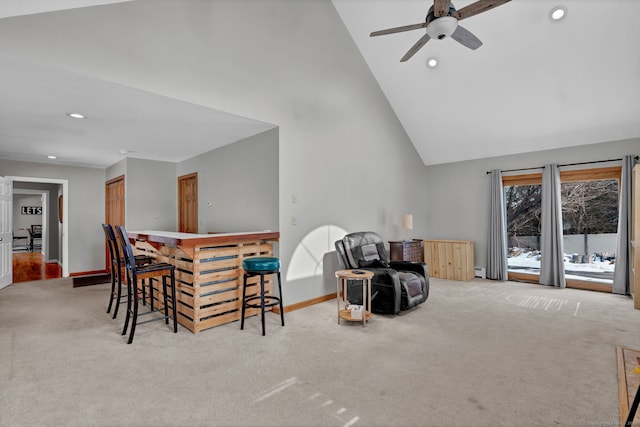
[(62, 224), (31, 209)]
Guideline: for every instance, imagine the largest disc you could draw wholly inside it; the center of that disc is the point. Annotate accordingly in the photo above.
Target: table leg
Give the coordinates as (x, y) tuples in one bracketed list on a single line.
[(364, 303), (338, 297), (369, 293)]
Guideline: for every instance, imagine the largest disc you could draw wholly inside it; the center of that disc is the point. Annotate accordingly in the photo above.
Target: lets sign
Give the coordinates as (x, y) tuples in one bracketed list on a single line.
[(31, 210)]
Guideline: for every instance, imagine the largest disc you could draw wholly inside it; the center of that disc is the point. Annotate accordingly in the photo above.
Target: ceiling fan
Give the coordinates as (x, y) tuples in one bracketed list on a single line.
[(442, 21)]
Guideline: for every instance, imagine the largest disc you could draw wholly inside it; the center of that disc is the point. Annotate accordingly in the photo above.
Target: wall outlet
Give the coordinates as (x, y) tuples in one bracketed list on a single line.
[(294, 220)]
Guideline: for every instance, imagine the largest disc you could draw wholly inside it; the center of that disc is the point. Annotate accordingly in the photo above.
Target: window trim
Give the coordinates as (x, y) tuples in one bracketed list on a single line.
[(592, 174)]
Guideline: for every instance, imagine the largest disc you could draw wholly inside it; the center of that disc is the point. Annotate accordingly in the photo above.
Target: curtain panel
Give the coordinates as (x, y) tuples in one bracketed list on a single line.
[(497, 242), (622, 274), (551, 246)]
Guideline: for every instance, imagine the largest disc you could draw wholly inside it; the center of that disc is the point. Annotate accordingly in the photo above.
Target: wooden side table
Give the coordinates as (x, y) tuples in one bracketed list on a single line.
[(342, 278)]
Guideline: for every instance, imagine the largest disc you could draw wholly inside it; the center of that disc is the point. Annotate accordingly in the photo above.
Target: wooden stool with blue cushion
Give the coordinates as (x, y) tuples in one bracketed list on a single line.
[(261, 266)]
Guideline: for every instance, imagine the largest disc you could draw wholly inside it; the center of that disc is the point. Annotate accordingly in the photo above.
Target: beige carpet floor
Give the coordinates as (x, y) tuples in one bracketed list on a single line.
[(480, 353)]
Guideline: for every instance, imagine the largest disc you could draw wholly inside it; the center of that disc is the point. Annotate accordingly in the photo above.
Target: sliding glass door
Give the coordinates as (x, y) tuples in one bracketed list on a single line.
[(523, 205), (590, 223)]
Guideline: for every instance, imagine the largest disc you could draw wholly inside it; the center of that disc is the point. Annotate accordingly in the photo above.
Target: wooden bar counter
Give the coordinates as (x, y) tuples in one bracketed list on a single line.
[(208, 271)]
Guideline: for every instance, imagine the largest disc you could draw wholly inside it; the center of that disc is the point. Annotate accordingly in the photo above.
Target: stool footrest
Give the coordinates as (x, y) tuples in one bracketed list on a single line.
[(269, 301)]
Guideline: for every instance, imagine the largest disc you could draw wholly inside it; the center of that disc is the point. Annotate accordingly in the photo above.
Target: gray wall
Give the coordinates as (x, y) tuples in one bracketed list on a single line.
[(458, 193), (116, 170), (151, 192), (241, 182), (86, 208)]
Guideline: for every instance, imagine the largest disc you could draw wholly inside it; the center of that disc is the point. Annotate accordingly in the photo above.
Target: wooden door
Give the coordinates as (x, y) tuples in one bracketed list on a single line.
[(115, 201), (114, 215), (188, 203), (6, 231)]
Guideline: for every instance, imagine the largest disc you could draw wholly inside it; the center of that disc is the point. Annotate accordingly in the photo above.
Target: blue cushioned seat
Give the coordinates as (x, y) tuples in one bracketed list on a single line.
[(261, 264)]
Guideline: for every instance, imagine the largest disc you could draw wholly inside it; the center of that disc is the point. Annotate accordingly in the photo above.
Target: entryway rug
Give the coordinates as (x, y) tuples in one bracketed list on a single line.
[(628, 381)]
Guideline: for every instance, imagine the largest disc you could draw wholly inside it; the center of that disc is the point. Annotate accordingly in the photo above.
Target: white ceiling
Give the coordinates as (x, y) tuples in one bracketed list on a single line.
[(533, 85), (121, 121), (34, 125)]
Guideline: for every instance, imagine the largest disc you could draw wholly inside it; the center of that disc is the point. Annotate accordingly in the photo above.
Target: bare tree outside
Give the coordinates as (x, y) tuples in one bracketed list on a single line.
[(523, 204), (590, 207)]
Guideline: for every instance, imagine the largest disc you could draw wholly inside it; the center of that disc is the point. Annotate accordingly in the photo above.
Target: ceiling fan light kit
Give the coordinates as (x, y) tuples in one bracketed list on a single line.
[(442, 27), (442, 22)]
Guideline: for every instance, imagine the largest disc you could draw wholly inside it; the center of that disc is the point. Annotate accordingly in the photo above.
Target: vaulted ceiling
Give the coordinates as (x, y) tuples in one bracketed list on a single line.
[(533, 85)]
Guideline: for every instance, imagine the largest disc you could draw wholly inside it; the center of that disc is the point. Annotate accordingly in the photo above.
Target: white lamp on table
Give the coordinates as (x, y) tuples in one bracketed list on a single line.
[(407, 222)]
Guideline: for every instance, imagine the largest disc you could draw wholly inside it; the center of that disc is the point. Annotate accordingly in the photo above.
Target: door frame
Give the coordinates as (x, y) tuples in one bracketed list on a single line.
[(65, 208)]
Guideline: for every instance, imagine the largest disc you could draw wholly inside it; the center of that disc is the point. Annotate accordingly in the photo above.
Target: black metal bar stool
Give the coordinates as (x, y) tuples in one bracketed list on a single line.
[(151, 272), (117, 264), (261, 266)]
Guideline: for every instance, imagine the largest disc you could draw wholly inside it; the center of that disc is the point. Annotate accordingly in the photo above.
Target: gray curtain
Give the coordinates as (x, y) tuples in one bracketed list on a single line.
[(622, 273), (497, 249), (552, 262)]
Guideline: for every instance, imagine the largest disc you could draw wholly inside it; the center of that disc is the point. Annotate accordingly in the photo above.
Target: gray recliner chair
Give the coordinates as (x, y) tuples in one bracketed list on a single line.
[(396, 285)]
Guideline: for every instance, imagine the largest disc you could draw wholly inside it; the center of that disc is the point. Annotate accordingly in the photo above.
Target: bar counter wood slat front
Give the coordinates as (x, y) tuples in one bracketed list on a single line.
[(209, 271)]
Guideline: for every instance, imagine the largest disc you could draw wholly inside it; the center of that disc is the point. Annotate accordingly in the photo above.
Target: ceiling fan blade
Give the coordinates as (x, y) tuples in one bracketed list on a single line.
[(477, 7), (441, 7), (416, 47), (398, 29), (464, 37)]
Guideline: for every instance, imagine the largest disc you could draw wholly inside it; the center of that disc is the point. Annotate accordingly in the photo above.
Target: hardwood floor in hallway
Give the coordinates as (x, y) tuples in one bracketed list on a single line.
[(28, 266)]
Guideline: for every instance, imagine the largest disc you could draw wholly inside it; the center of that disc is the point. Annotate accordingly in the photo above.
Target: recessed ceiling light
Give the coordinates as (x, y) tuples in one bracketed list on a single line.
[(51, 157), (558, 13), (432, 62), (76, 116)]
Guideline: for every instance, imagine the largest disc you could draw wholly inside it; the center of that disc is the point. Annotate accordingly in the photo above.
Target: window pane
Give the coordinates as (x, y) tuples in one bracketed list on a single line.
[(590, 223), (523, 207)]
